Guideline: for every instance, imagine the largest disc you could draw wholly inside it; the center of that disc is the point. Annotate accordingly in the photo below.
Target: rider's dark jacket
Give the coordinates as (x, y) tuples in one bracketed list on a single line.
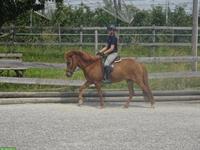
[(112, 40)]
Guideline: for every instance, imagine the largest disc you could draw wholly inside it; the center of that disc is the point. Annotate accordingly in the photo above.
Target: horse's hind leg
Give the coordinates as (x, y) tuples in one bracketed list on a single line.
[(145, 96), (81, 91), (151, 96), (131, 92), (148, 94)]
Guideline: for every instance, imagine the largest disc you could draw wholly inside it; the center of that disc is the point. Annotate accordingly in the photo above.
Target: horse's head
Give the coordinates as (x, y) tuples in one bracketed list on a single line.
[(71, 62), (78, 58)]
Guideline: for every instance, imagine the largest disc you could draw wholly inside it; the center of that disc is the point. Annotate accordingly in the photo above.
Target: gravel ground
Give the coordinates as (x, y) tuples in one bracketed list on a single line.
[(170, 126)]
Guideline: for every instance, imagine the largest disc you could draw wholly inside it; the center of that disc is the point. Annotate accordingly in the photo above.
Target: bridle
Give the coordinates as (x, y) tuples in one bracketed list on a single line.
[(70, 71)]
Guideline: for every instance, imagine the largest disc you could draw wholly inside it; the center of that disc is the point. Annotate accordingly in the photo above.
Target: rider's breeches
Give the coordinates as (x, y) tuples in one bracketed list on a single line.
[(110, 58)]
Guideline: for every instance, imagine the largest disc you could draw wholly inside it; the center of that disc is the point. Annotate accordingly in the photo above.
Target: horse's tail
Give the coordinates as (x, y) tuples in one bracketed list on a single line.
[(145, 75), (145, 80)]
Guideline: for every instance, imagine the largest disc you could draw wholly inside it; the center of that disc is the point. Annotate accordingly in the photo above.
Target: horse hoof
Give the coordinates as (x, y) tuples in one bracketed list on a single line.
[(126, 106), (80, 103), (101, 107), (152, 106)]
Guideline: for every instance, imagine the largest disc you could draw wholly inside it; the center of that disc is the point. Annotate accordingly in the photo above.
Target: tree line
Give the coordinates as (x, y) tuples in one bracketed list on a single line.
[(18, 11)]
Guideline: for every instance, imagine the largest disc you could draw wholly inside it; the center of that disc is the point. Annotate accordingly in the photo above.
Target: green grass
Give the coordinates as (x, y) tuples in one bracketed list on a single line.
[(55, 54), (138, 51)]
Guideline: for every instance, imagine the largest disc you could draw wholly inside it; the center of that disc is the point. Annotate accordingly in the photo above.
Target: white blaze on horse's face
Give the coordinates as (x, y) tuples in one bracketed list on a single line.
[(71, 66), (69, 70)]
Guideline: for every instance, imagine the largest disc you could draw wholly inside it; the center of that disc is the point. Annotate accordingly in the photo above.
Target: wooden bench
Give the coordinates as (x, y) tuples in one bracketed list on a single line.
[(12, 62)]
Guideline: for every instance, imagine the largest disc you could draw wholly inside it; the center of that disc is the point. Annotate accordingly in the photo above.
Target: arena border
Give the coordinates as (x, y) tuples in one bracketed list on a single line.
[(91, 96)]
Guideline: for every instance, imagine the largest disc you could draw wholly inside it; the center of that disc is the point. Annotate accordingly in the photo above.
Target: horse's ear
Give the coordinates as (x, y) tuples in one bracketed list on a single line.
[(65, 55), (74, 53), (69, 54)]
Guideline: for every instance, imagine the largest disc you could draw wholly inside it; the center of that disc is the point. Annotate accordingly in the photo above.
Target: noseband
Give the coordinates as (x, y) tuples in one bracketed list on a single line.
[(71, 72)]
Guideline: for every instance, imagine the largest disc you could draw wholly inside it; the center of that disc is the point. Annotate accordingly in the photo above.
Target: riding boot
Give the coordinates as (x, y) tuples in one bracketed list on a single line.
[(107, 71)]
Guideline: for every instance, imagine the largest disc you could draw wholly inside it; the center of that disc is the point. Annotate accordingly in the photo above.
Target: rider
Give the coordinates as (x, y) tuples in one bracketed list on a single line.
[(110, 50)]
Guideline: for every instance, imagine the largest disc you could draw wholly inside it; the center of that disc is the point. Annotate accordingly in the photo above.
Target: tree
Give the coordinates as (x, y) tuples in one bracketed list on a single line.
[(158, 16), (142, 18), (11, 9), (102, 18), (180, 18), (63, 16), (83, 16)]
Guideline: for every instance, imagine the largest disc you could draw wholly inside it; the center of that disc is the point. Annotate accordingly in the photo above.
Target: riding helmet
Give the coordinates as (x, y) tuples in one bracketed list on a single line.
[(111, 28)]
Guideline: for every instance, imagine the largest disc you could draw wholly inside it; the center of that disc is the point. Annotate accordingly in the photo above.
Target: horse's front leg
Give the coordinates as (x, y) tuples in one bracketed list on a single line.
[(98, 87), (81, 91)]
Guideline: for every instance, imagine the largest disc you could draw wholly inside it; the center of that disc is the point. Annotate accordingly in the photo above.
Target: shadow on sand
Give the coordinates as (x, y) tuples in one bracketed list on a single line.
[(116, 105)]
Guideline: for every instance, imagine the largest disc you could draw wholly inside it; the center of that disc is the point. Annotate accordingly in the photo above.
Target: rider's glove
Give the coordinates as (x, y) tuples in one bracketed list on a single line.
[(100, 54)]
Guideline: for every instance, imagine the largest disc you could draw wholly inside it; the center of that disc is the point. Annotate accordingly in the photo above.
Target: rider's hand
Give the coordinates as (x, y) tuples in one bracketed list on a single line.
[(100, 54)]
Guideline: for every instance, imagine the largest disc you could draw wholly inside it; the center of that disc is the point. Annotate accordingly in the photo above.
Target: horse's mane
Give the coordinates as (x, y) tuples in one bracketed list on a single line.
[(84, 55)]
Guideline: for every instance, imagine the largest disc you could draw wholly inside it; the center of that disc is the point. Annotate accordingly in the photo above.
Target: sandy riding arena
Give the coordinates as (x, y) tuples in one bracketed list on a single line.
[(171, 125)]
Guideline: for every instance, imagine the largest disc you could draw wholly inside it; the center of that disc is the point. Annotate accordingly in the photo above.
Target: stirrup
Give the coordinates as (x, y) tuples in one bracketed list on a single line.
[(107, 81)]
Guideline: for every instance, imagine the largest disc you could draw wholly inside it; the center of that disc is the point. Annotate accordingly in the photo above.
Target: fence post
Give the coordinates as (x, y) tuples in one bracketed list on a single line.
[(195, 33), (13, 38), (13, 34), (154, 39), (119, 40), (31, 18), (172, 35), (81, 37), (59, 35), (96, 41)]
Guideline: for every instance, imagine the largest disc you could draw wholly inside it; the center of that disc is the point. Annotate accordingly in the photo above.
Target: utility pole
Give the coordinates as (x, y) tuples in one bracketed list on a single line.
[(166, 10), (31, 18), (116, 13), (195, 33), (119, 4), (153, 4)]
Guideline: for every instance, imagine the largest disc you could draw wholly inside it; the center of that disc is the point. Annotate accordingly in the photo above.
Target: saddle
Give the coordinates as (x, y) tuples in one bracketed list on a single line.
[(116, 60)]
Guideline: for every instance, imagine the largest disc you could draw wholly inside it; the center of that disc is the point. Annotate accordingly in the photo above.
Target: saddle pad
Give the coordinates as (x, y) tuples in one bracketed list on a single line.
[(117, 59)]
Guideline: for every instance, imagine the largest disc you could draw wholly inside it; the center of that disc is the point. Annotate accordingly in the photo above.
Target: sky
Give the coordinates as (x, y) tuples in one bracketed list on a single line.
[(142, 4)]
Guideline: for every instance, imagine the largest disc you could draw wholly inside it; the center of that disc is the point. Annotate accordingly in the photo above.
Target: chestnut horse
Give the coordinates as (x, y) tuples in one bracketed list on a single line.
[(127, 69)]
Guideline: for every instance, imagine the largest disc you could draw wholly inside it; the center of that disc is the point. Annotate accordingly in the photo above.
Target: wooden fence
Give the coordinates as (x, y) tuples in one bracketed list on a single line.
[(95, 36), (92, 96), (176, 59), (145, 36), (62, 82)]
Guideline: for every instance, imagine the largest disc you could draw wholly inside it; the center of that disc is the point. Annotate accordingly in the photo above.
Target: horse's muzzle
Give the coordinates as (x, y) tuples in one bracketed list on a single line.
[(69, 74)]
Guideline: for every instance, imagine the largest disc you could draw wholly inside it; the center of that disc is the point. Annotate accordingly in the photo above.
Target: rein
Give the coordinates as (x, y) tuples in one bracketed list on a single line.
[(86, 66), (77, 69), (91, 63)]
